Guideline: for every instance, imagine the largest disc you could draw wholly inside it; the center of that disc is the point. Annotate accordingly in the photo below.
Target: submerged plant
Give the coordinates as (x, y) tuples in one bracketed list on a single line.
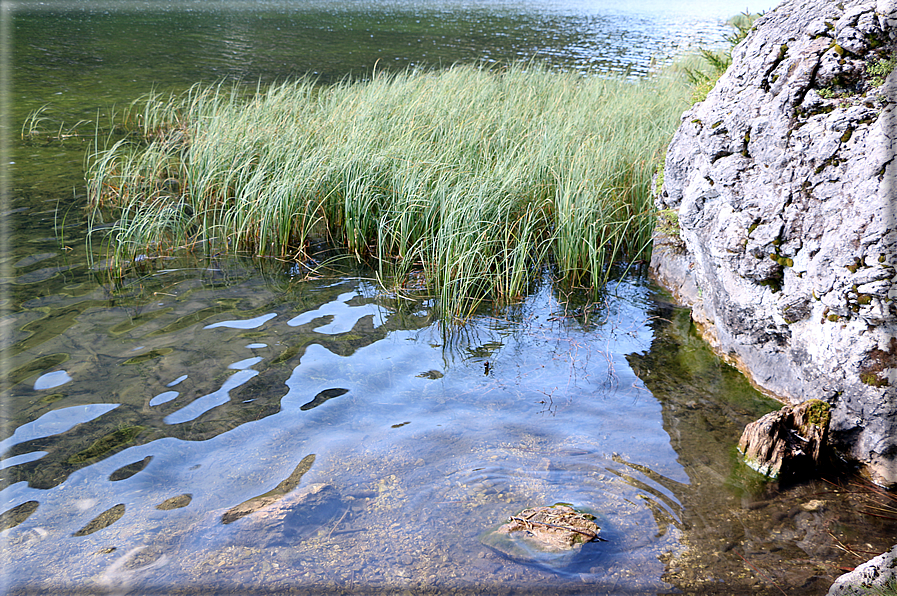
[(467, 181), (35, 127)]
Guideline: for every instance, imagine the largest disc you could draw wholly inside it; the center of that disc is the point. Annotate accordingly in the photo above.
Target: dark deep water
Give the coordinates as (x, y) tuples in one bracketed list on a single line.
[(139, 417)]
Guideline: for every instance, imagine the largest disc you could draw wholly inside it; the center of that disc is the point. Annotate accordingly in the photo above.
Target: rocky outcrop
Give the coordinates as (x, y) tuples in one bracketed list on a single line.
[(784, 182), (872, 577)]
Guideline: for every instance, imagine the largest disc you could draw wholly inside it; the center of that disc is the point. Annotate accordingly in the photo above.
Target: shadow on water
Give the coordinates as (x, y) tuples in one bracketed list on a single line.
[(750, 535)]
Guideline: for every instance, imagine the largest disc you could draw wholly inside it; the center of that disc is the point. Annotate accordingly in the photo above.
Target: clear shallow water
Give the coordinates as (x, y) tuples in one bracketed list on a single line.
[(425, 449), (138, 416), (200, 396)]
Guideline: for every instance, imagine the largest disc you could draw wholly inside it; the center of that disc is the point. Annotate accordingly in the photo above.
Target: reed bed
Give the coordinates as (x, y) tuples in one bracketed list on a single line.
[(462, 184)]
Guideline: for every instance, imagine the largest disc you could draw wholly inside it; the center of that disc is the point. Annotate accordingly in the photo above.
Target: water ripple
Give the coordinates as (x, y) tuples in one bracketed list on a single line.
[(203, 404), (55, 422)]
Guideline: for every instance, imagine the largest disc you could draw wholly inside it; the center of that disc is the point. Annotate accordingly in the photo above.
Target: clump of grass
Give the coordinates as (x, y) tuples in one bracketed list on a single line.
[(668, 223), (35, 128), (888, 588), (474, 180), (705, 68), (880, 69)]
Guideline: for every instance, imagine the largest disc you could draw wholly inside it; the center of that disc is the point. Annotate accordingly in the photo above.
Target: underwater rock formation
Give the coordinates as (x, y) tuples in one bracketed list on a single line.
[(783, 182)]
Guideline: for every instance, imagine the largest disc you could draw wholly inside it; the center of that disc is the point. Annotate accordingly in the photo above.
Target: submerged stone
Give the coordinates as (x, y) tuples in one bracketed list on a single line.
[(129, 470), (273, 496), (175, 502), (103, 520), (294, 517)]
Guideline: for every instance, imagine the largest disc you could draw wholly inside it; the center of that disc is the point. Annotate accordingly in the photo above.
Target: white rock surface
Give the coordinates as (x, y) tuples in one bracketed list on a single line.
[(879, 572), (785, 183)]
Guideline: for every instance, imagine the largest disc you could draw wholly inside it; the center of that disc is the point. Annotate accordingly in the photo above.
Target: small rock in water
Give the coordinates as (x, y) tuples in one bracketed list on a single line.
[(558, 527), (550, 536), (175, 502)]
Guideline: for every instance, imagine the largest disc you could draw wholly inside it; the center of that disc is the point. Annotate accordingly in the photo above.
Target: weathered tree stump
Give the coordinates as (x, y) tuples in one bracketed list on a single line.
[(788, 443)]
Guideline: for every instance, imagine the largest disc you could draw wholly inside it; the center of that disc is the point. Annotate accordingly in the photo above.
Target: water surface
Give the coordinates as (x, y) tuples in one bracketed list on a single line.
[(424, 448)]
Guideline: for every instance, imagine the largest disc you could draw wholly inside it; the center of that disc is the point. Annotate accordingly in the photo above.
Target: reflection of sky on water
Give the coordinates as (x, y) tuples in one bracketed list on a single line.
[(245, 363), (554, 390), (164, 397), (203, 404), (243, 324), (178, 380), (55, 422), (343, 316), (23, 458), (51, 380)]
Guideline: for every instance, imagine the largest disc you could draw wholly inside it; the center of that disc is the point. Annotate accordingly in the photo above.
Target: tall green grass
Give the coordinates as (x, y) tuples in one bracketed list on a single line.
[(473, 180)]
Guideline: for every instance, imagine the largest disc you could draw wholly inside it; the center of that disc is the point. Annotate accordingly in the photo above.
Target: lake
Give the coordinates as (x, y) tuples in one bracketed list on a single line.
[(231, 425)]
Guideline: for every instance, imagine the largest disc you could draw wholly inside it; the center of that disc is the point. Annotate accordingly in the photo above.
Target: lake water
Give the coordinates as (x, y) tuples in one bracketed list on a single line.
[(218, 425)]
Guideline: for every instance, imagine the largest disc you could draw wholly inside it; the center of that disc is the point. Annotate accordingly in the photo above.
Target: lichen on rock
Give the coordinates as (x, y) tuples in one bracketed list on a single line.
[(876, 576)]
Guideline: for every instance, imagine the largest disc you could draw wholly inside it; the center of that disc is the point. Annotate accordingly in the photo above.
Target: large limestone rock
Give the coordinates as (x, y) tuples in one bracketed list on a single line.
[(784, 181), (872, 577)]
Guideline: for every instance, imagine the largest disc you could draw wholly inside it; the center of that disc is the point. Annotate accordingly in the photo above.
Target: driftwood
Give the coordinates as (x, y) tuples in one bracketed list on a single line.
[(788, 443)]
